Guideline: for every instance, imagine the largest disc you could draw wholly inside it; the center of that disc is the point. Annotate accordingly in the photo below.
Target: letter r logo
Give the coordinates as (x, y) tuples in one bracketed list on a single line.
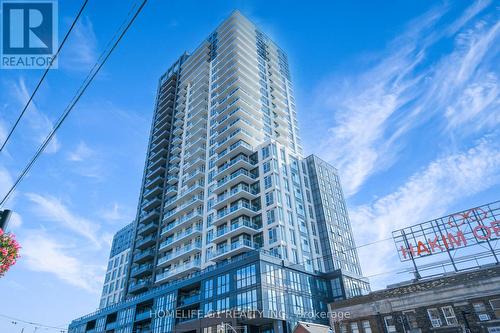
[(28, 27)]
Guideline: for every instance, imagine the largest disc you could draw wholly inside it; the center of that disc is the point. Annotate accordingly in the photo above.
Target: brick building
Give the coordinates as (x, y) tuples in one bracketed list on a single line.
[(459, 302)]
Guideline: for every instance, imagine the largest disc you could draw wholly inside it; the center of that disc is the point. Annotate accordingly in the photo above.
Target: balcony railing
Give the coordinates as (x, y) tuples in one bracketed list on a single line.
[(176, 237), (239, 224), (178, 269)]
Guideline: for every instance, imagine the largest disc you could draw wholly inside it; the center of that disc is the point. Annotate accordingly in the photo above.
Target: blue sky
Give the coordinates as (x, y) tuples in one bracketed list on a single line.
[(402, 97)]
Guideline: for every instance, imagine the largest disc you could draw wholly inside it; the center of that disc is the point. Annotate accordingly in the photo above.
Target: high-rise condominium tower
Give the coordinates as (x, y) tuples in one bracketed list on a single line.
[(230, 214)]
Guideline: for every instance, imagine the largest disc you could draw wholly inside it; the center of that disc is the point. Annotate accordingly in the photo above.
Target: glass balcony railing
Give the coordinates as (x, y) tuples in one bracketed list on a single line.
[(181, 235), (182, 220), (234, 226), (178, 269), (179, 252)]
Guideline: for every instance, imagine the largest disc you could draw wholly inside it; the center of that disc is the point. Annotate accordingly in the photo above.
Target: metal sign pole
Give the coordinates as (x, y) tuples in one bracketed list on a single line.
[(447, 249), (417, 274)]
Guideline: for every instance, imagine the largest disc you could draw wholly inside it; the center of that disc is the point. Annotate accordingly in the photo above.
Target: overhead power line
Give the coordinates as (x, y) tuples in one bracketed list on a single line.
[(39, 325), (83, 87), (84, 4)]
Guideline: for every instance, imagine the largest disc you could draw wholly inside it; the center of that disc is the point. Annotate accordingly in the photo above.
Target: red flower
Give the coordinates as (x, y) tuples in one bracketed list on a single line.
[(9, 251)]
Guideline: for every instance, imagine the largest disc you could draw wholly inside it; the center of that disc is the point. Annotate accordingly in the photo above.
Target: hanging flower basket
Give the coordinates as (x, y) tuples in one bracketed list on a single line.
[(9, 251)]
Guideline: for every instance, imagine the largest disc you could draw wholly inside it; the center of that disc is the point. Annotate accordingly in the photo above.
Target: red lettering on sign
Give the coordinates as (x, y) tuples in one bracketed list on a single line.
[(486, 234), (435, 244), (422, 248), (458, 240), (495, 226)]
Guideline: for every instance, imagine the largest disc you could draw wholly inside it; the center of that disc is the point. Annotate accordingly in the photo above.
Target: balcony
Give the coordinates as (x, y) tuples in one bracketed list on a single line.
[(242, 191), (145, 242), (172, 179), (140, 285), (151, 203), (161, 153), (238, 226), (158, 146), (239, 176), (234, 249), (240, 208), (195, 176), (191, 190), (183, 221), (158, 180), (178, 271), (171, 190), (142, 256), (145, 229), (193, 231), (148, 216), (239, 162), (160, 136), (175, 158), (141, 270), (158, 171), (155, 191), (200, 161), (178, 254), (193, 202), (240, 147), (143, 315), (111, 326), (188, 300)]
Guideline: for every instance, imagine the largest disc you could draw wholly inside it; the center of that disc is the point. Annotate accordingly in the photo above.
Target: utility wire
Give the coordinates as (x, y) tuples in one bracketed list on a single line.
[(15, 320), (93, 72), (84, 4)]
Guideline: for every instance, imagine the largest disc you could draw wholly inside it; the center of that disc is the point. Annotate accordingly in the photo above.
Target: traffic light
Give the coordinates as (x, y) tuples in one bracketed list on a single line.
[(4, 218)]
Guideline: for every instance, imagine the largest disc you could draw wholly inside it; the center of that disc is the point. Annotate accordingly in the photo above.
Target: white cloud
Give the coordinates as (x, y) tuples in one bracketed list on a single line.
[(424, 196), (373, 110), (81, 50), (6, 181), (115, 213), (81, 153), (37, 120), (41, 253), (53, 210)]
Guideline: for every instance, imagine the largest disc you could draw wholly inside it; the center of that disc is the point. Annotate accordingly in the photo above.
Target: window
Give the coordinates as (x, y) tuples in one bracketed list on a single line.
[(209, 288), (246, 276), (434, 317), (366, 326), (208, 309), (266, 167), (269, 198), (268, 182), (495, 305), (449, 315), (354, 328), (389, 324), (273, 236), (265, 152), (223, 304), (411, 319), (495, 329), (479, 307), (247, 300), (222, 284)]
